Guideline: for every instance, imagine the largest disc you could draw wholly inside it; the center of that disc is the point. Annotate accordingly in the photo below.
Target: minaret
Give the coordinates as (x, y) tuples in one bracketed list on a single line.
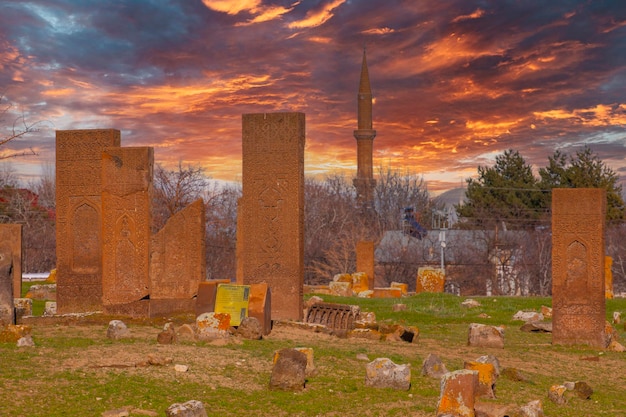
[(364, 135)]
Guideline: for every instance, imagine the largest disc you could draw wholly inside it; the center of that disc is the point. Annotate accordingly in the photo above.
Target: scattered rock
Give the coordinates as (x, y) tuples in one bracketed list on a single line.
[(362, 357), (398, 307), (582, 390), (617, 317), (547, 312), (486, 377), (383, 373), (117, 330), (457, 397), (434, 367), (50, 309), (14, 332), (42, 292), (181, 368), (168, 335), (537, 327), (470, 303), (289, 371), (23, 307), (142, 412), (527, 316), (615, 346), (484, 316), (532, 409), (368, 334), (26, 341), (366, 294), (211, 326), (191, 408), (514, 374), (481, 335), (250, 328), (186, 333), (493, 410), (119, 412), (492, 360), (556, 394), (311, 301)]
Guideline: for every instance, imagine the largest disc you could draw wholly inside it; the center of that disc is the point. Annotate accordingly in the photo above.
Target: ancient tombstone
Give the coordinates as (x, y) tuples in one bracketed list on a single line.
[(608, 278), (482, 335), (272, 208), (78, 217), (365, 260), (207, 291), (177, 261), (430, 279), (11, 234), (578, 295), (7, 308), (126, 220), (458, 394), (289, 370), (384, 373), (260, 306)]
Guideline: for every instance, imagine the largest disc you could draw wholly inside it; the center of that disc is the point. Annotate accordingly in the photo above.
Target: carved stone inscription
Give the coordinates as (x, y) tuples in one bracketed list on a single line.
[(126, 197), (272, 208), (177, 260), (11, 235), (78, 208), (578, 298)]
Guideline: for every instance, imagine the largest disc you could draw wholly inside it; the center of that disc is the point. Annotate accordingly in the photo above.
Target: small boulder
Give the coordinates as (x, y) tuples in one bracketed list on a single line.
[(537, 327), (486, 378), (50, 309), (186, 333), (527, 316), (481, 335), (211, 326), (458, 394), (117, 330), (289, 370), (470, 303), (617, 317), (398, 307), (26, 341), (556, 394), (383, 373), (492, 360), (532, 409), (192, 408), (434, 367), (250, 328), (168, 335)]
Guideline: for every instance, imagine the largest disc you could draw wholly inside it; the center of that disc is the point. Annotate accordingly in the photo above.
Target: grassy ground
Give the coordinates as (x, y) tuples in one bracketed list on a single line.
[(74, 370)]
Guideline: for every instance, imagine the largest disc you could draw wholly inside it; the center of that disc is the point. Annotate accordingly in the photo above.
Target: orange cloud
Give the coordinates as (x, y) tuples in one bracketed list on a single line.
[(232, 7), (316, 18), (600, 115), (475, 15)]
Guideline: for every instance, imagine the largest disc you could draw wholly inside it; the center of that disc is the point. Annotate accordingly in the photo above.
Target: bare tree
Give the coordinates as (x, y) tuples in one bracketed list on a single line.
[(20, 127), (221, 229)]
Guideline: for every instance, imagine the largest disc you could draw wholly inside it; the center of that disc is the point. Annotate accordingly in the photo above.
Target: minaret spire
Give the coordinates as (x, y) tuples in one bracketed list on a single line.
[(364, 135)]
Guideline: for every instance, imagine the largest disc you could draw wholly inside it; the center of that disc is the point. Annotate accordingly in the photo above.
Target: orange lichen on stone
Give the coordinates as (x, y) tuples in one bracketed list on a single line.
[(486, 377), (387, 293), (360, 282), (402, 286), (458, 394), (429, 280), (13, 332)]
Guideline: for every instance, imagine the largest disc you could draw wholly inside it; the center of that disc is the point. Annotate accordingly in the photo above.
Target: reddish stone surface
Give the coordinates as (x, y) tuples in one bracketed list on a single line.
[(260, 305), (387, 293), (11, 235), (578, 287), (78, 222), (458, 393), (429, 280), (126, 219), (207, 290), (365, 261), (272, 208), (177, 255)]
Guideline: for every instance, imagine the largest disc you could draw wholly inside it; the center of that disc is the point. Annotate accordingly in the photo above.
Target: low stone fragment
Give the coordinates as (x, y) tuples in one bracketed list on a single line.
[(514, 374), (483, 409), (527, 316), (582, 390), (615, 346), (486, 378), (617, 317), (362, 357), (181, 368), (250, 328), (13, 332), (532, 409), (481, 335), (191, 408), (311, 301), (26, 341), (398, 307), (50, 309), (556, 394), (142, 412), (368, 334), (492, 360), (289, 370), (211, 326), (186, 333), (341, 288), (168, 335), (383, 373), (433, 367), (117, 330), (470, 303), (458, 393), (23, 307), (537, 327), (547, 312), (119, 412)]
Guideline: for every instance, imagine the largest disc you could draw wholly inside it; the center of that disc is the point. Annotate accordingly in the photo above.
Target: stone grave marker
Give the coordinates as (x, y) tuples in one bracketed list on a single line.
[(272, 208), (365, 260), (126, 219), (11, 234), (78, 217), (578, 287)]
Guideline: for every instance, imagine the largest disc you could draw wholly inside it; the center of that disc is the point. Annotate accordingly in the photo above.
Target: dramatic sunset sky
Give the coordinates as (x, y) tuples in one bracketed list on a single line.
[(455, 82)]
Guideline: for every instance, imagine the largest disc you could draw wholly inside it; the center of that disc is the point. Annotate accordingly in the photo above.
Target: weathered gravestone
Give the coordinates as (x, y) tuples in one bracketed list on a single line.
[(272, 208), (365, 260), (177, 261), (7, 309), (578, 297), (11, 234), (78, 217), (126, 220)]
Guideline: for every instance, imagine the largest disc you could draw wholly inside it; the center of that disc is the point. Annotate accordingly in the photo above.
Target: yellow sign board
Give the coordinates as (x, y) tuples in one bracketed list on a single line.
[(233, 299)]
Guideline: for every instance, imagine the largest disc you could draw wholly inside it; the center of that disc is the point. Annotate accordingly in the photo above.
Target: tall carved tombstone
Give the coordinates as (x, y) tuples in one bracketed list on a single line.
[(11, 234), (177, 261), (7, 307), (365, 260), (78, 217), (578, 299), (272, 208), (126, 220)]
